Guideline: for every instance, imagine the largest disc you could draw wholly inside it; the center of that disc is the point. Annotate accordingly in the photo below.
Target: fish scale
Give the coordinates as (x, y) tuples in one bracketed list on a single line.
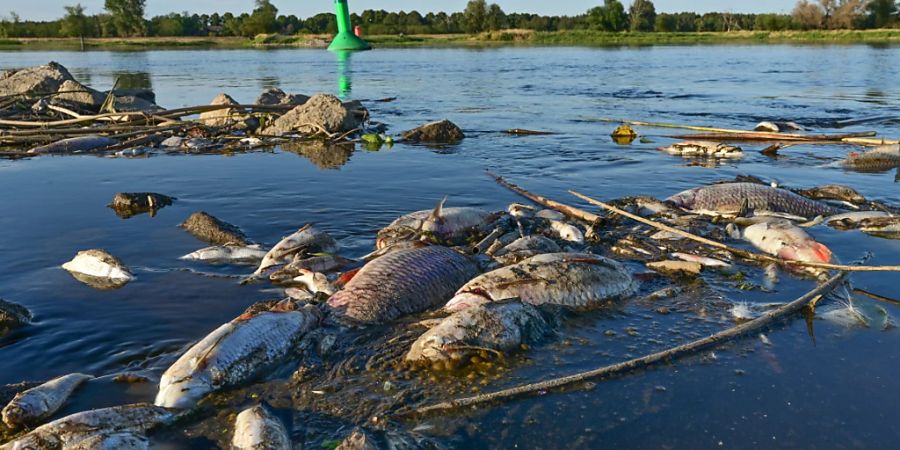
[(403, 282), (727, 198), (570, 279)]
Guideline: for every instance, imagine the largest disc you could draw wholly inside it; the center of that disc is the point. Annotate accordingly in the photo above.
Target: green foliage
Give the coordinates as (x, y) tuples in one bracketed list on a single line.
[(74, 23), (263, 20), (609, 17), (127, 16), (883, 13), (475, 14), (643, 15)]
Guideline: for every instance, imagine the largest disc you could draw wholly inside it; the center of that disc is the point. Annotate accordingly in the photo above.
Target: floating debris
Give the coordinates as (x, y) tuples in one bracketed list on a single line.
[(703, 148)]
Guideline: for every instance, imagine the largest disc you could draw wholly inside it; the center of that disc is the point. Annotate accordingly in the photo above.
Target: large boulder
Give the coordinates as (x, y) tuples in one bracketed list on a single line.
[(322, 112), (275, 96), (44, 79), (221, 117), (75, 95), (440, 132)]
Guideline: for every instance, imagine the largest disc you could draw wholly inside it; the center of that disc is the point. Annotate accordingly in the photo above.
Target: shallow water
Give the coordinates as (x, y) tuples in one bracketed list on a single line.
[(838, 389)]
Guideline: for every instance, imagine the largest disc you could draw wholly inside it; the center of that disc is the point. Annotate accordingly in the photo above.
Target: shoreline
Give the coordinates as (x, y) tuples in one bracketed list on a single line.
[(505, 38)]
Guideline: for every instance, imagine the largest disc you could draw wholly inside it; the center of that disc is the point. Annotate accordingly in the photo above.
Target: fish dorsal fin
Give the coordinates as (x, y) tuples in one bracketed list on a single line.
[(438, 211)]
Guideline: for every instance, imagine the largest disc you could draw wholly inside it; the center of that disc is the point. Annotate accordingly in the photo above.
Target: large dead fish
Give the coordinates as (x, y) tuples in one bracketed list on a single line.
[(524, 248), (233, 354), (886, 227), (96, 425), (500, 326), (833, 192), (99, 264), (878, 159), (75, 145), (231, 253), (256, 428), (444, 225), (851, 220), (307, 240), (785, 240), (569, 279), (402, 282), (116, 441), (38, 403), (729, 198)]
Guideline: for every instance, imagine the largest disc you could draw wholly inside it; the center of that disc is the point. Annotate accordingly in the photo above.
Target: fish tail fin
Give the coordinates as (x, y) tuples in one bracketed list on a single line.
[(439, 209)]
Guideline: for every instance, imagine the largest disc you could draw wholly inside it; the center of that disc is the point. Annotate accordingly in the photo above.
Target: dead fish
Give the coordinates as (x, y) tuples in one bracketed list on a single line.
[(92, 426), (569, 279), (319, 263), (210, 229), (230, 253), (787, 241), (777, 127), (12, 316), (886, 227), (127, 204), (445, 225), (878, 159), (307, 240), (75, 145), (520, 211), (98, 263), (705, 261), (649, 206), (729, 198), (395, 247), (298, 294), (525, 247), (314, 281), (852, 220), (703, 148), (400, 283), (31, 406), (233, 354), (833, 192), (567, 232), (115, 441), (550, 214), (499, 326), (258, 429)]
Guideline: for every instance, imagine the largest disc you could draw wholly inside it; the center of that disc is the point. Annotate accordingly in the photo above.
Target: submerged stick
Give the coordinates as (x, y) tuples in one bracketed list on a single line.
[(666, 355), (739, 252)]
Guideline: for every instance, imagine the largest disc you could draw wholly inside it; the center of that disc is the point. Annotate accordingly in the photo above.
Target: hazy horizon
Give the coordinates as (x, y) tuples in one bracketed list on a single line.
[(53, 9)]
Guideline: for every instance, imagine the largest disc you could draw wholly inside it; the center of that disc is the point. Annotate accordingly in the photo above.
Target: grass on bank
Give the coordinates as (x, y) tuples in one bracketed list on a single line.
[(494, 38)]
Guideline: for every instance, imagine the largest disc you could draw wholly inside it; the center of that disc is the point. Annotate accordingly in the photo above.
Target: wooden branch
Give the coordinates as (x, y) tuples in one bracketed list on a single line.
[(670, 354), (563, 208)]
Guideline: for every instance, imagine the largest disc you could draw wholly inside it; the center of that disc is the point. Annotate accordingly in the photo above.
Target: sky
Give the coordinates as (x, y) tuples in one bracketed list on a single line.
[(52, 9)]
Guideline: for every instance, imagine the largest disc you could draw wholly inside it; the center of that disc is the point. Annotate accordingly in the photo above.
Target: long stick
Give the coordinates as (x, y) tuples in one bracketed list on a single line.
[(644, 361), (170, 113), (736, 251), (766, 136)]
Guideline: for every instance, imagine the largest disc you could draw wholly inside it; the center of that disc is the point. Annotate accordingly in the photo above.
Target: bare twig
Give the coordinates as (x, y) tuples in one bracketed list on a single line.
[(563, 208), (670, 354)]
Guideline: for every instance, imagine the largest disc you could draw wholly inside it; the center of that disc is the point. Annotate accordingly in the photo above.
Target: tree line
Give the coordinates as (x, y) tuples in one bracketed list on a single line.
[(126, 18)]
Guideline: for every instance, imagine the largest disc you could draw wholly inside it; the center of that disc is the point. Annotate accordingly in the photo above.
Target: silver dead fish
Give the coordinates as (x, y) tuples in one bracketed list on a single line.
[(569, 279), (233, 354), (258, 429), (92, 426), (787, 241), (318, 263), (501, 326), (878, 159), (728, 199), (307, 239), (115, 441), (99, 264), (31, 406), (231, 253), (402, 282), (446, 225), (886, 227), (525, 247), (75, 145), (703, 148)]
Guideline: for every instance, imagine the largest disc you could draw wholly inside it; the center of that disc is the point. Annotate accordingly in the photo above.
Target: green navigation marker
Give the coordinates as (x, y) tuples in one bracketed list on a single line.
[(345, 39)]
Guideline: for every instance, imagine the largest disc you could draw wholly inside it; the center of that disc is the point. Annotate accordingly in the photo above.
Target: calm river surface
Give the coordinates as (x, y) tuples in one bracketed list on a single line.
[(827, 386)]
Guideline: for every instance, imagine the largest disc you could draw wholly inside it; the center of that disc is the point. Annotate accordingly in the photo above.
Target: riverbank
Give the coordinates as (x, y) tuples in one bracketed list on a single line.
[(495, 38)]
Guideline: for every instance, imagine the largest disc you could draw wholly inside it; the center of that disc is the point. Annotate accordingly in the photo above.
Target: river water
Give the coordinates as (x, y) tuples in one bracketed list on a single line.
[(818, 386)]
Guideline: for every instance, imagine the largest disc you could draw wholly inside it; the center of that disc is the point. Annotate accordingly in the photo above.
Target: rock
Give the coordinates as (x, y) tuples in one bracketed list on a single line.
[(440, 132), (39, 79), (275, 96), (78, 96), (12, 316), (678, 268), (221, 117), (358, 440), (322, 112), (133, 103), (142, 93), (210, 229), (127, 204)]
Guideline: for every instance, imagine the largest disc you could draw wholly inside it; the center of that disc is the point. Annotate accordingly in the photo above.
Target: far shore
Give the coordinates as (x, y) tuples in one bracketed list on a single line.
[(495, 38)]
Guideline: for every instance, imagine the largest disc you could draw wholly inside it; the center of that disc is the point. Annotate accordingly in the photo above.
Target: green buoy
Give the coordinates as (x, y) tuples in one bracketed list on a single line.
[(345, 39)]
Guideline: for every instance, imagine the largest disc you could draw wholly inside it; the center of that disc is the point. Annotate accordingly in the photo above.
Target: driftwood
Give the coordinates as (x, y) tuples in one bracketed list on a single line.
[(142, 117), (768, 137), (780, 313), (577, 213)]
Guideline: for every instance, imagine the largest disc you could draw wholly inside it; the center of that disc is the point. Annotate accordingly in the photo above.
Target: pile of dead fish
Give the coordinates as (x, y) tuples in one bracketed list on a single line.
[(495, 281)]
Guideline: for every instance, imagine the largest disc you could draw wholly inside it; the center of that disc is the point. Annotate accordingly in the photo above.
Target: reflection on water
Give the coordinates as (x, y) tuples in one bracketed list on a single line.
[(268, 82), (133, 80), (324, 156), (345, 86)]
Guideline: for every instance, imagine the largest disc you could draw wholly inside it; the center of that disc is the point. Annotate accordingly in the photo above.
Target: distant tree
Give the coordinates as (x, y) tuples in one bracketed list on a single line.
[(475, 14), (9, 25), (74, 23), (127, 16), (264, 19), (848, 14), (666, 23), (643, 15), (495, 19), (609, 17), (882, 13), (808, 16)]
